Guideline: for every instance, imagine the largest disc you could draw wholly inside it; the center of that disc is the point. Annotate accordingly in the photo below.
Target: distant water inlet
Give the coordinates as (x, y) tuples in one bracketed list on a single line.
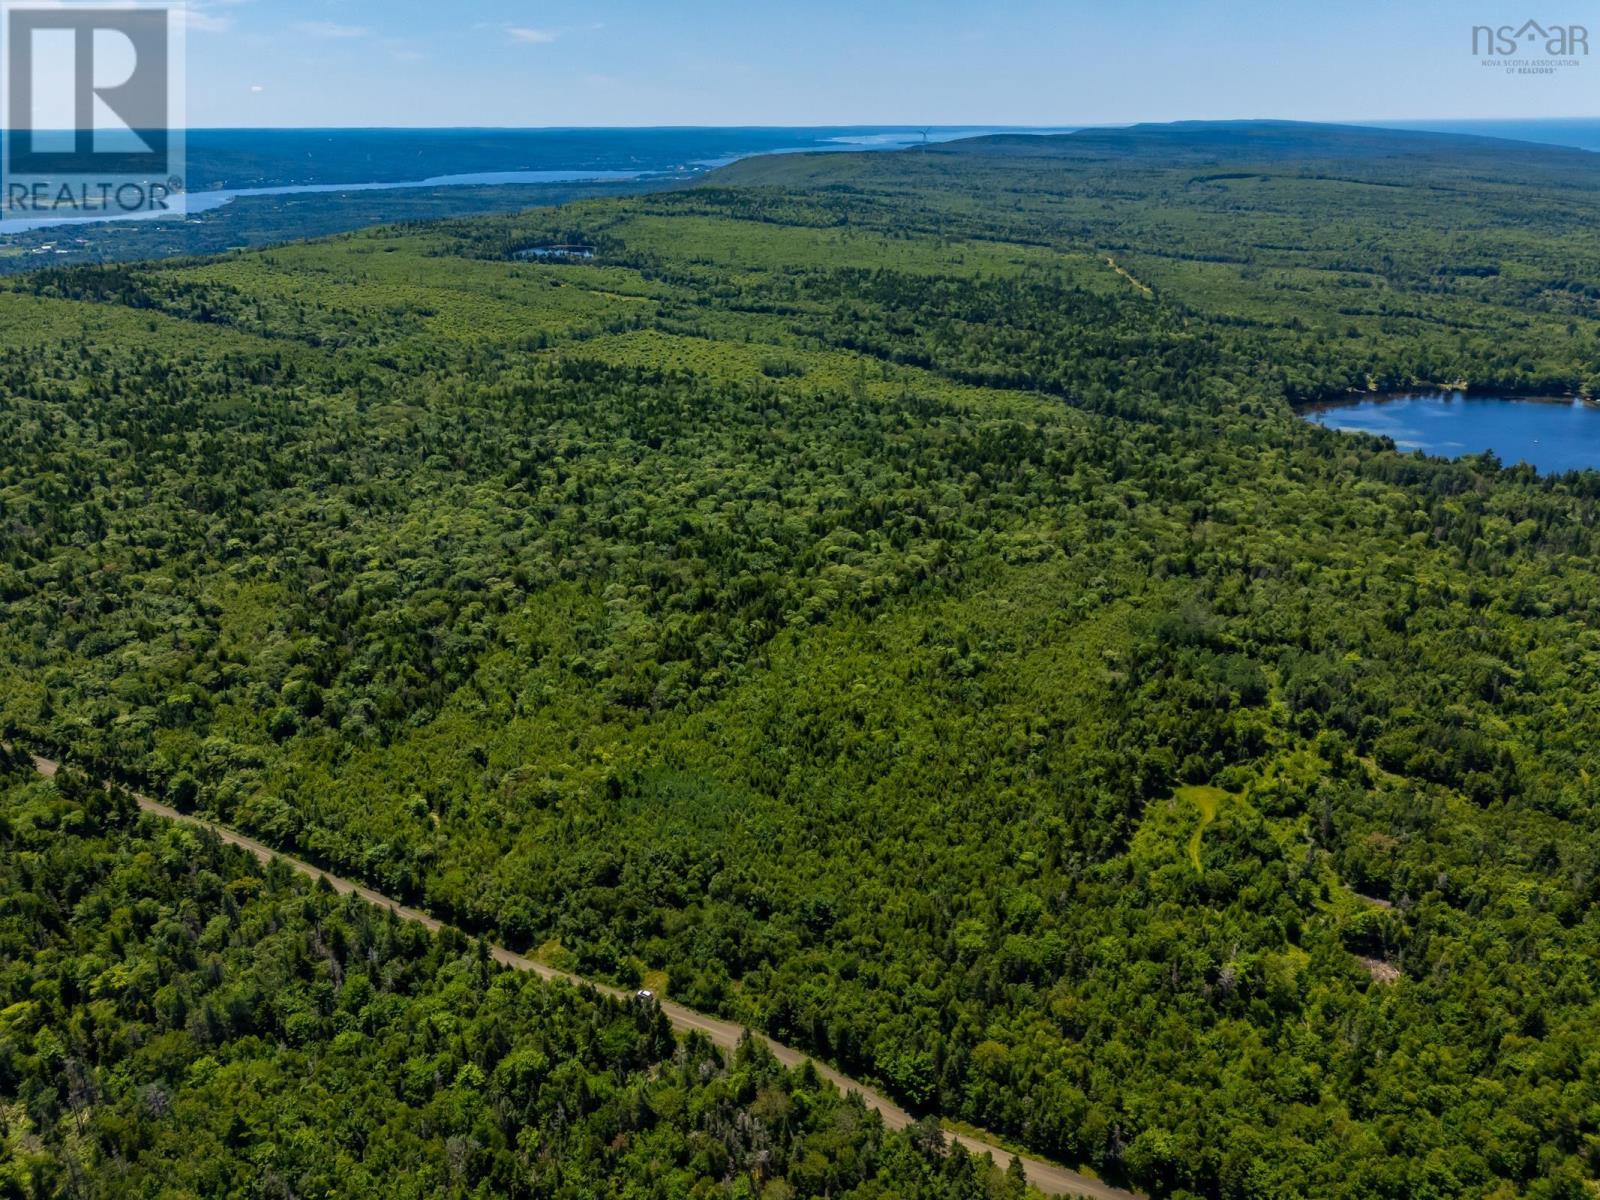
[(558, 253), (195, 203), (1552, 435)]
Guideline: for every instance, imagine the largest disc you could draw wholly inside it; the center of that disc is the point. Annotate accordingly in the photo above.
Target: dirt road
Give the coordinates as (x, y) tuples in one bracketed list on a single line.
[(1047, 1177)]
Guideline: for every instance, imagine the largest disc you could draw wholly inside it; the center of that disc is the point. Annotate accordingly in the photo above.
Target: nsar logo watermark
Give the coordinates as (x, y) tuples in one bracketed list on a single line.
[(92, 100), (1531, 48)]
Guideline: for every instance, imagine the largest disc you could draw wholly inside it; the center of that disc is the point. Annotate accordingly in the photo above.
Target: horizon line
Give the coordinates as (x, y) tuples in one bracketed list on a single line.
[(914, 127)]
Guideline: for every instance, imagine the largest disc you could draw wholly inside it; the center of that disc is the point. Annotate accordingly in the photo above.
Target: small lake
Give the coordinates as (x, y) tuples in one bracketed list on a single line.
[(558, 253), (1554, 435)]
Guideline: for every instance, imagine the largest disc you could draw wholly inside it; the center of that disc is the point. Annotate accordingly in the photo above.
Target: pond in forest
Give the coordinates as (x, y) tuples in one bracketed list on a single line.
[(1552, 434)]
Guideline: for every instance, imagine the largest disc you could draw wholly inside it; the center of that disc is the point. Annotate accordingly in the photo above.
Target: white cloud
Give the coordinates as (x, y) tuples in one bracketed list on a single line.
[(200, 16), (531, 37), (330, 29), (196, 16)]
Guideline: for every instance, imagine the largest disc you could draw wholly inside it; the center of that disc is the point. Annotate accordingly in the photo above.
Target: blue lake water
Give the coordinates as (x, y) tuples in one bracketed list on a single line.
[(1552, 435)]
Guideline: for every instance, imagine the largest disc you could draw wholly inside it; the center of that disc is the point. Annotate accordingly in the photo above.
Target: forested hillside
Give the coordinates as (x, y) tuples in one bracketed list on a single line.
[(891, 600), (174, 1021)]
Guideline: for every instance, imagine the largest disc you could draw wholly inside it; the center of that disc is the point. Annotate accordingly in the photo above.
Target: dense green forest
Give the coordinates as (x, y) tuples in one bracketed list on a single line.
[(891, 599), (176, 1022)]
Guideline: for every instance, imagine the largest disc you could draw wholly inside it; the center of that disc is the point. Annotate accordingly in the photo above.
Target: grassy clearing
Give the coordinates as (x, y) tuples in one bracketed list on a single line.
[(1207, 800)]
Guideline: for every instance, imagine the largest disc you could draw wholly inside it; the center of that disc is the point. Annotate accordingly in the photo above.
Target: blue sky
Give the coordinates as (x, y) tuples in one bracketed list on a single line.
[(713, 62)]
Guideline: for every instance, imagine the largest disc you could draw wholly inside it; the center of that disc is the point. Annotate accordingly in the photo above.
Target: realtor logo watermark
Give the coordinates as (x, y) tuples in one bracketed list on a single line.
[(92, 100), (1530, 48)]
